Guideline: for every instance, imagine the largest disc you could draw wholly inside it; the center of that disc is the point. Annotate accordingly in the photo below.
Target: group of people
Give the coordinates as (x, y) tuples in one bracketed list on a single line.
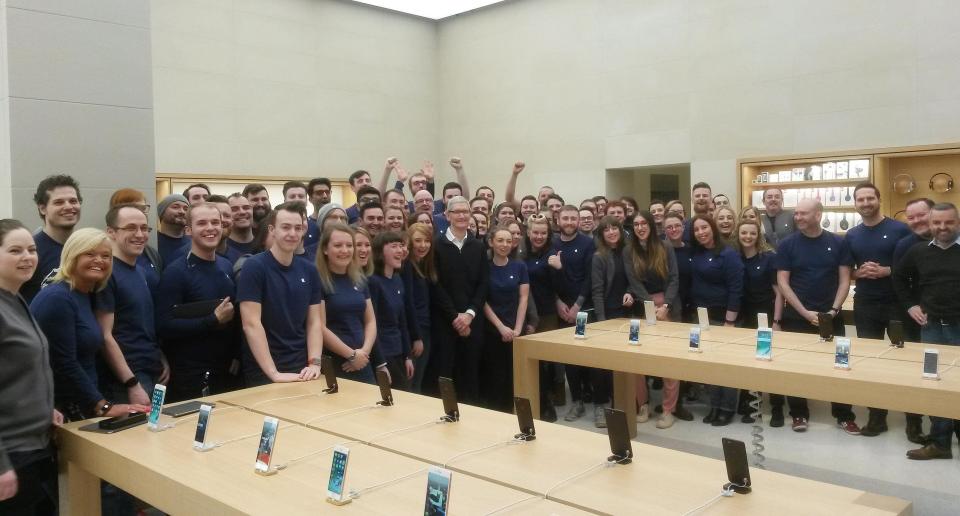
[(239, 292)]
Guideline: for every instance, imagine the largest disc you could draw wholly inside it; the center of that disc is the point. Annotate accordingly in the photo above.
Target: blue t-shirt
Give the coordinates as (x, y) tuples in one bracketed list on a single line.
[(875, 244), (814, 267), (312, 235), (572, 282), (246, 248), (346, 307), (198, 344), (388, 298), (66, 318), (127, 297), (151, 272), (168, 247), (285, 294), (717, 279), (48, 259), (419, 290), (905, 244), (503, 290), (684, 271), (541, 284), (759, 277), (231, 254)]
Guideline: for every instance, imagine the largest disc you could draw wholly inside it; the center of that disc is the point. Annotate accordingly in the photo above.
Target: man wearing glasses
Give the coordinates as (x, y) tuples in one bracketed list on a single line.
[(125, 312)]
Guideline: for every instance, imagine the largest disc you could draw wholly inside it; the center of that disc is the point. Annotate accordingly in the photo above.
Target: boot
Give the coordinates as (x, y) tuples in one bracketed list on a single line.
[(876, 425)]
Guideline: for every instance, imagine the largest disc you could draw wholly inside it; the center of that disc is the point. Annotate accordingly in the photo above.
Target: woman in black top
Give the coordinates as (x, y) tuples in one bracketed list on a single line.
[(543, 313), (28, 464)]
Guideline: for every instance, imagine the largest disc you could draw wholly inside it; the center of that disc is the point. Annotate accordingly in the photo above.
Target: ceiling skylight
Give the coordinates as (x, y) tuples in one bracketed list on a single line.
[(433, 9)]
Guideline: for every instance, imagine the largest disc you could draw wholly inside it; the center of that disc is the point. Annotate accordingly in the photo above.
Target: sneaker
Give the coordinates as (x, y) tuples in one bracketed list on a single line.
[(799, 424), (930, 451), (599, 419), (576, 411), (665, 421), (776, 419), (643, 415), (850, 427)]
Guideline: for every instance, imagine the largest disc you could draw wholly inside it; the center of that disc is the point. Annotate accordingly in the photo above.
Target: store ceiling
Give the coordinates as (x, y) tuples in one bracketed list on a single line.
[(433, 9)]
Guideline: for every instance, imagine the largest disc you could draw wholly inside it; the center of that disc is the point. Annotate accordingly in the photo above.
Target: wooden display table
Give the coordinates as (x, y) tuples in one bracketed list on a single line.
[(658, 481), (880, 376)]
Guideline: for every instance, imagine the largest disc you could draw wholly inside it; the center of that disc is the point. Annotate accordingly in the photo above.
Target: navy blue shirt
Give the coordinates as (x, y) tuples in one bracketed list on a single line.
[(127, 296), (346, 306), (48, 259), (152, 274), (66, 318), (168, 247), (717, 279), (231, 254), (199, 344), (814, 267), (388, 304), (246, 248), (875, 244), (541, 284), (312, 235), (759, 278), (353, 214), (684, 271), (419, 289), (503, 290), (285, 294), (572, 282), (905, 244)]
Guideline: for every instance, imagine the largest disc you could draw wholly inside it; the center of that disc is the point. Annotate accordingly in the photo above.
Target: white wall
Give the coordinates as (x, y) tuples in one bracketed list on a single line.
[(6, 200), (291, 87), (578, 86), (79, 99)]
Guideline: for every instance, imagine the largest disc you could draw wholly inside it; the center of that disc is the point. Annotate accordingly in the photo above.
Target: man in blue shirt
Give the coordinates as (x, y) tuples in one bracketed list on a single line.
[(202, 349), (295, 191), (259, 199), (58, 203), (172, 212), (241, 218), (125, 312), (871, 245), (281, 306), (814, 275), (571, 256)]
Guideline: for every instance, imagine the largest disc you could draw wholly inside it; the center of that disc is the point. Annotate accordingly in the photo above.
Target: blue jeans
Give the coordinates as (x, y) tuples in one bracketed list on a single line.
[(934, 332)]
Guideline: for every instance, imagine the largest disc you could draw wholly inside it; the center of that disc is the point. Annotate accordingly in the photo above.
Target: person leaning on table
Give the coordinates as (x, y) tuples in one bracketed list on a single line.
[(28, 464)]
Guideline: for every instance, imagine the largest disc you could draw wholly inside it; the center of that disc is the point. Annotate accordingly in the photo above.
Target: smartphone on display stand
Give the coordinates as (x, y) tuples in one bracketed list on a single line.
[(203, 424), (634, 336), (695, 339), (268, 439), (762, 320), (650, 311), (386, 395), (336, 485), (895, 332), (524, 419), (703, 318), (764, 344), (841, 359), (825, 325), (580, 332), (620, 447), (438, 492), (738, 471), (156, 406), (448, 393), (329, 372), (931, 359)]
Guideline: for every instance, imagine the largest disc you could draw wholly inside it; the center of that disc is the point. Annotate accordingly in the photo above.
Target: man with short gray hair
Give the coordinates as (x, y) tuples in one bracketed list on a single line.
[(777, 222)]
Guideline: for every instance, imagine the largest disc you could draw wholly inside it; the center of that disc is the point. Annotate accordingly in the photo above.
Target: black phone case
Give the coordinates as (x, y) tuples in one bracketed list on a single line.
[(738, 471), (183, 409), (121, 422), (386, 395), (196, 309), (619, 435), (329, 372), (525, 419), (449, 395), (825, 326), (895, 331)]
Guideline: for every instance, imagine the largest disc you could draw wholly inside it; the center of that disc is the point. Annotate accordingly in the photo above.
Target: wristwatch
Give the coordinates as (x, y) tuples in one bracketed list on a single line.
[(353, 356), (317, 361), (131, 382), (777, 321)]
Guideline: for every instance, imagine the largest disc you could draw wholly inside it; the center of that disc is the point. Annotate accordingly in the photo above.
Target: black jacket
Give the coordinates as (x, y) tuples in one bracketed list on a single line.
[(461, 276)]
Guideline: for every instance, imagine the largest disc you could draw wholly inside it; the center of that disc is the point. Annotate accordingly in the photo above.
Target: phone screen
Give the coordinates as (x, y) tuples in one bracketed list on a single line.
[(634, 331), (267, 439), (581, 329), (764, 343), (650, 310), (203, 420), (842, 358), (156, 405), (438, 492), (695, 338), (338, 471), (930, 359)]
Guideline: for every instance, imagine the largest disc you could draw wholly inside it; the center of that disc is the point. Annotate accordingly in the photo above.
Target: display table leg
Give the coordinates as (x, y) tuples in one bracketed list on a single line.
[(83, 493)]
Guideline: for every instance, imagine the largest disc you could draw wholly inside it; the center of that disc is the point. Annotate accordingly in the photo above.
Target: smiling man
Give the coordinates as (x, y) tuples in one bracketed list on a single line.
[(204, 344), (241, 215), (172, 211), (58, 203)]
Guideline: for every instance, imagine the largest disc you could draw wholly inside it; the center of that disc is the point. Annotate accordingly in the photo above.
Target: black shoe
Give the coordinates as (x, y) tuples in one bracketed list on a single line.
[(874, 428), (747, 418), (548, 413), (723, 418), (915, 432), (776, 418), (682, 414), (657, 383), (710, 416)]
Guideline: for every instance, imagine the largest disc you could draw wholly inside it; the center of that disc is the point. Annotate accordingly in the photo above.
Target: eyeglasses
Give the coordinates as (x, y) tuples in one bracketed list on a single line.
[(459, 212), (134, 228)]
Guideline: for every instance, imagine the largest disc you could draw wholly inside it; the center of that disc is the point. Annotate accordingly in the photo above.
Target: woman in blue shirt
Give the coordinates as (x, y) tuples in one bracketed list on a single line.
[(543, 298), (351, 329), (419, 277), (508, 288), (64, 311), (717, 285), (388, 297)]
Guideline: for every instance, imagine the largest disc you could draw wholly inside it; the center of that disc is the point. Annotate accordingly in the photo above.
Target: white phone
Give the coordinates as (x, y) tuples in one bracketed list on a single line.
[(695, 339), (841, 358), (703, 318), (268, 439), (438, 492), (650, 310), (762, 320), (203, 423), (336, 485), (931, 359), (156, 405)]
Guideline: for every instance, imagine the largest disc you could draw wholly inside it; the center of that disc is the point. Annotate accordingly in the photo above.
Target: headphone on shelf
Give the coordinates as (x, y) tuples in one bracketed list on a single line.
[(949, 184)]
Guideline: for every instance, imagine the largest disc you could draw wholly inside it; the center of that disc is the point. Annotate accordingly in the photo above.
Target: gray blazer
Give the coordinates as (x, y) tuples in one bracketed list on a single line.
[(602, 280), (782, 226)]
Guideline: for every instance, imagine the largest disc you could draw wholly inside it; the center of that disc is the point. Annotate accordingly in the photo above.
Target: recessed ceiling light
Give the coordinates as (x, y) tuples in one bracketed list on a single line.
[(433, 9)]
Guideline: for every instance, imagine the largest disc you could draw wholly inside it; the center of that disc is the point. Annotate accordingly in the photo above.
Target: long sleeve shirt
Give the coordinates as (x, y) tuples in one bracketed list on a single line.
[(717, 279)]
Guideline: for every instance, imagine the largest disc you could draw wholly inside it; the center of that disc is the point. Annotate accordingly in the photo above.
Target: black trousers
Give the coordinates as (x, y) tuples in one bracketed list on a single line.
[(497, 371), (598, 382), (36, 484), (457, 358), (798, 406), (398, 372)]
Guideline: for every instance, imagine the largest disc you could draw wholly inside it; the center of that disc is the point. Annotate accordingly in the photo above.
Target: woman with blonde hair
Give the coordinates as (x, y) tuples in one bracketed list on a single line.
[(363, 245), (419, 278), (64, 311), (726, 220), (750, 214)]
